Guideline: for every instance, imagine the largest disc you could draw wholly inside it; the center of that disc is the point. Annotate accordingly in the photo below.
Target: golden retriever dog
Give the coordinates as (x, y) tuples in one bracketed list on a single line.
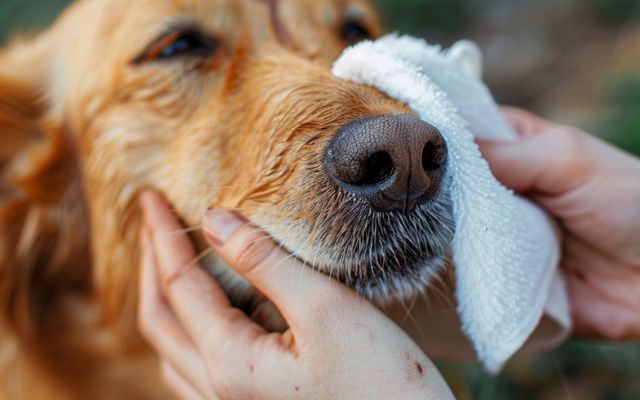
[(214, 103)]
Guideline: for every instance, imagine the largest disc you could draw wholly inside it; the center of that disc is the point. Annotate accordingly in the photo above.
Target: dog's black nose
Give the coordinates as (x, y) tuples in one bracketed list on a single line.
[(395, 162)]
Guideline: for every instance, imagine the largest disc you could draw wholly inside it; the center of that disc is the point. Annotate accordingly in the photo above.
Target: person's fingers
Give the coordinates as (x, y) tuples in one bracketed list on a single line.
[(175, 251), (197, 300), (195, 296), (293, 287), (604, 292), (179, 385), (550, 163), (161, 328), (524, 123), (599, 316)]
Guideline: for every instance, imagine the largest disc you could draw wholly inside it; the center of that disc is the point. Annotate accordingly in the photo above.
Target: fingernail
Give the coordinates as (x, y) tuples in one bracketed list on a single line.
[(220, 224)]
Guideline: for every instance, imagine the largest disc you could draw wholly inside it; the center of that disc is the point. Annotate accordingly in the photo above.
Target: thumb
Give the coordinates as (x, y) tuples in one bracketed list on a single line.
[(293, 287), (549, 163)]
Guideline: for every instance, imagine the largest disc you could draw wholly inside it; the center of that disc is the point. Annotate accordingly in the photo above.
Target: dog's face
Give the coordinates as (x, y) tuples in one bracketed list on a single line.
[(231, 103)]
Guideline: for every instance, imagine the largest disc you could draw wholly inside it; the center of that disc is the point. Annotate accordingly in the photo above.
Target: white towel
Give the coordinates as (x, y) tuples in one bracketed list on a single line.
[(506, 250)]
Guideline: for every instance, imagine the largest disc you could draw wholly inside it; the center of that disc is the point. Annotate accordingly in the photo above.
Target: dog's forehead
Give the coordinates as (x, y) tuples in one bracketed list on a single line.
[(143, 20), (158, 15), (326, 12), (320, 13), (310, 26), (307, 25)]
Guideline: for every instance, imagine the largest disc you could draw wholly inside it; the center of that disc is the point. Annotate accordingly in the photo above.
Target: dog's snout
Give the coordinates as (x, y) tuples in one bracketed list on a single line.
[(394, 162)]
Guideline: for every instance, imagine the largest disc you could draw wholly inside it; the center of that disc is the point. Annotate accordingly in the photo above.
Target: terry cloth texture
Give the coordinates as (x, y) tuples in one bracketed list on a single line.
[(506, 250)]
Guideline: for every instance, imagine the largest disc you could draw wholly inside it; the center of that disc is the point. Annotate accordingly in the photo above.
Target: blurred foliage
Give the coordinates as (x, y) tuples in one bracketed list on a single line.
[(621, 124), (425, 18), (447, 16), (26, 15), (577, 370), (616, 10)]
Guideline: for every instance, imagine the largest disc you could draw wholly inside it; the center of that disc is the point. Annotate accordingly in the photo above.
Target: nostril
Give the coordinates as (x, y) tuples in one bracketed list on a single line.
[(432, 156), (394, 162), (378, 168)]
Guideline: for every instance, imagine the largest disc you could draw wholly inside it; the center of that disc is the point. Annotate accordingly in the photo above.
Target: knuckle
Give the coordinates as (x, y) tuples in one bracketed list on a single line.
[(178, 273), (232, 318), (560, 140), (524, 115), (523, 120), (233, 333), (621, 329), (254, 252), (230, 383), (567, 144), (566, 139), (170, 279)]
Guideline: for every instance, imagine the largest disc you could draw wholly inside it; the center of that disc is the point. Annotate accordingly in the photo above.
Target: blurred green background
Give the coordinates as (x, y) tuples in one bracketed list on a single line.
[(574, 61)]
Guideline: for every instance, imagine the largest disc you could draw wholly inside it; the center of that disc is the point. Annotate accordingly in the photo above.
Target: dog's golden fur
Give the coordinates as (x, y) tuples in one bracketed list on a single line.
[(84, 128)]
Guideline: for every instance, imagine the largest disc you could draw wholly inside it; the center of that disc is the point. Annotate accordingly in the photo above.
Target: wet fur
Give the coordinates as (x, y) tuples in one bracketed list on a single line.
[(83, 130)]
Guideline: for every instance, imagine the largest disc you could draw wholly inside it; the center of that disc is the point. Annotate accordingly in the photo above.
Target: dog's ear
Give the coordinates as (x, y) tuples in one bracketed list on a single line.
[(40, 218)]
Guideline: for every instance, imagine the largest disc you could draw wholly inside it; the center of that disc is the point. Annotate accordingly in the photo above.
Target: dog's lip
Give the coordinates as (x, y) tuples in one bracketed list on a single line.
[(345, 275), (379, 285), (413, 277), (400, 269)]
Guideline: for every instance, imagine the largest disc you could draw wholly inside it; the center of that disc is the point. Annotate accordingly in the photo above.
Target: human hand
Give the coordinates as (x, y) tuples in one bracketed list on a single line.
[(593, 190), (338, 345)]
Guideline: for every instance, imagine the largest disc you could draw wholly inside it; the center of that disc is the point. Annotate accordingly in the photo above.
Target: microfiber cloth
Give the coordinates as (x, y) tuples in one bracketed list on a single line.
[(506, 250)]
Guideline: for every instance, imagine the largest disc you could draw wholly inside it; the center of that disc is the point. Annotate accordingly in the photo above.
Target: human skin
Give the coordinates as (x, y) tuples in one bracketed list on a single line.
[(338, 345), (593, 191)]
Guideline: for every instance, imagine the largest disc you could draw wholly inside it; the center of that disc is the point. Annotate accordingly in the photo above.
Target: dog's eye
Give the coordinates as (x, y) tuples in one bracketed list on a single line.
[(354, 31), (179, 44), (188, 44)]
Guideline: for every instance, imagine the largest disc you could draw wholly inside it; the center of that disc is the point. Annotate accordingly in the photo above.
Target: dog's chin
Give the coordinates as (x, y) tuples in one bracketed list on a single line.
[(403, 252), (385, 257), (395, 280)]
